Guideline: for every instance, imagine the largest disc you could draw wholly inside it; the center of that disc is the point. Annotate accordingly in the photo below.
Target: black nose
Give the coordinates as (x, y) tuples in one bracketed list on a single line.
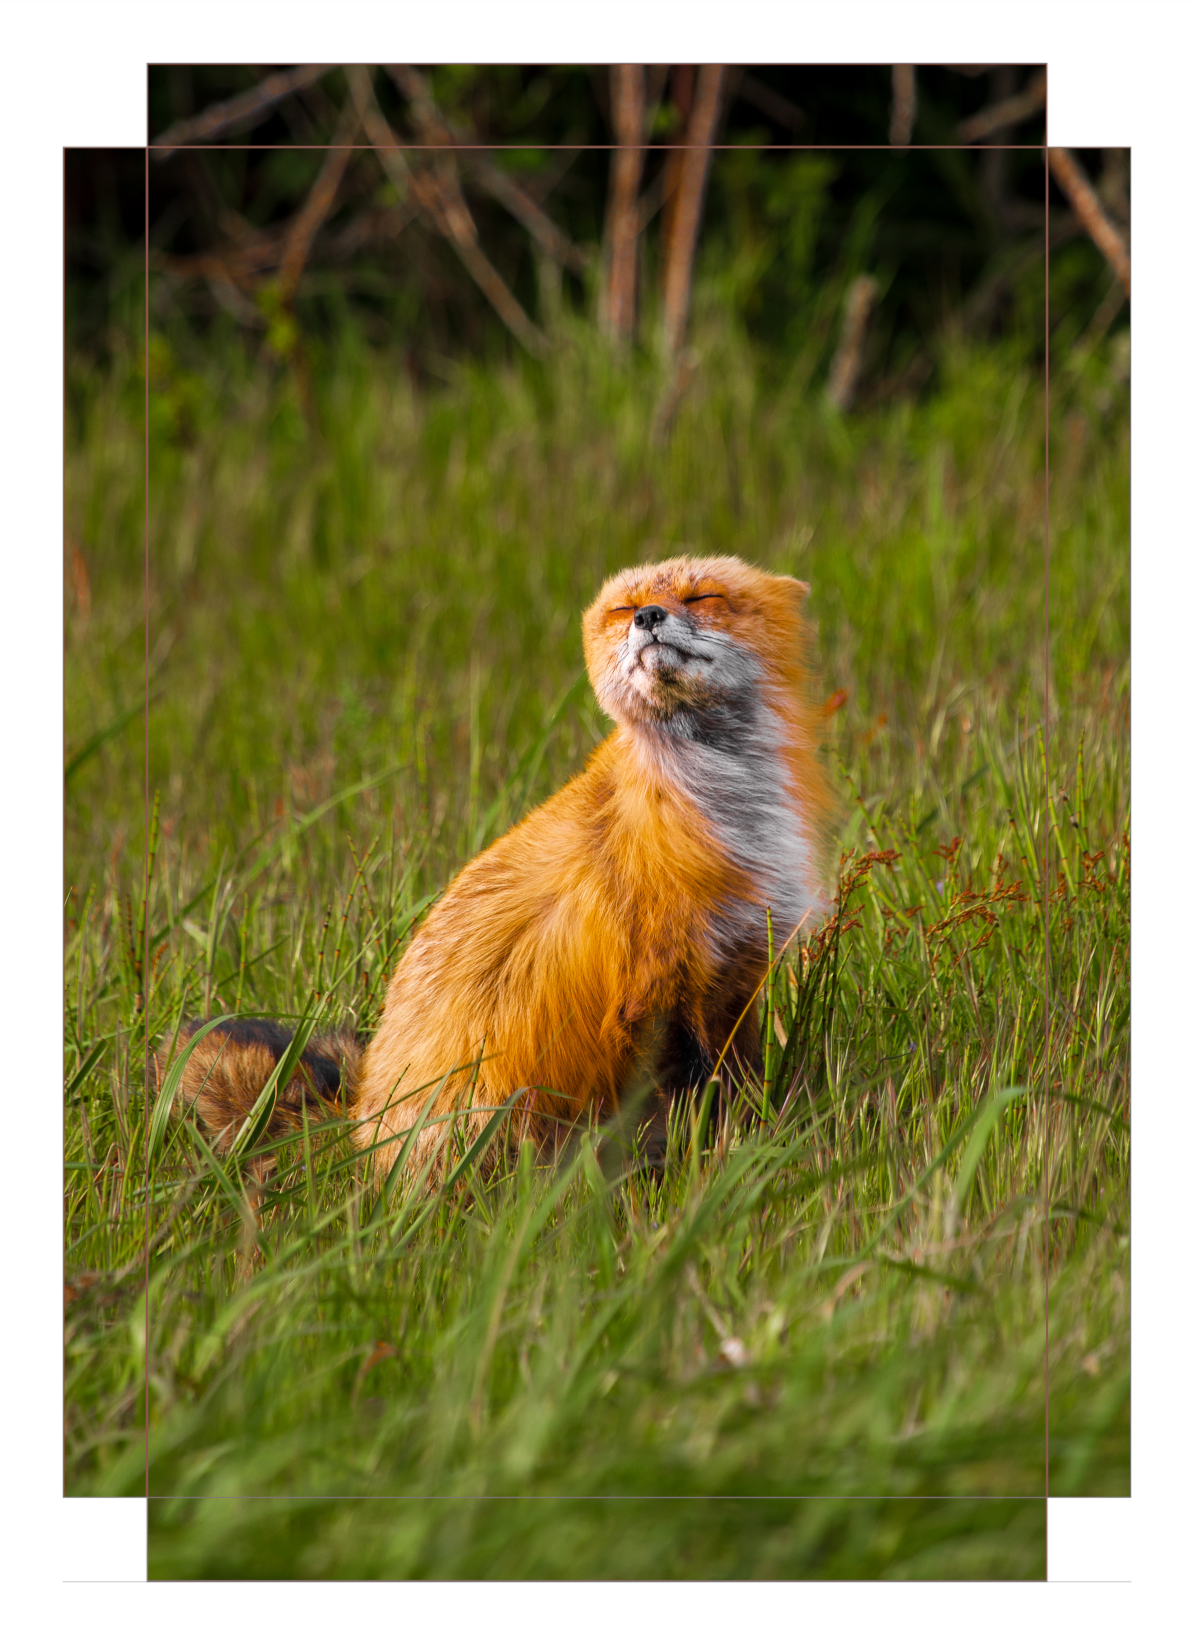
[(649, 616)]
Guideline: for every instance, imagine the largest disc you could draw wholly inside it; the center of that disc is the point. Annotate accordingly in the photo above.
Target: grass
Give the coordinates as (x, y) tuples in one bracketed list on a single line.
[(809, 1345)]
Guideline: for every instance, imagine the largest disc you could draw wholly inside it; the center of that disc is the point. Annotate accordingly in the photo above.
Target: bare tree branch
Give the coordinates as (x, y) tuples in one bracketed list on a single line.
[(1113, 184), (438, 193), (378, 131), (249, 109), (1094, 219), (317, 204), (993, 162), (1006, 113), (690, 193), (903, 104), (627, 94), (498, 184), (414, 88)]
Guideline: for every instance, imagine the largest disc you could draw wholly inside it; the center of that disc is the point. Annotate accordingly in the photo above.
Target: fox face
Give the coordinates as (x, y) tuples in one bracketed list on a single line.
[(686, 643), (701, 662)]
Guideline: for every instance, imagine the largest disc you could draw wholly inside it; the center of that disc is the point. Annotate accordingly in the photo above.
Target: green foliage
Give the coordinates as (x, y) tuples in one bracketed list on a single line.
[(820, 1336), (773, 218)]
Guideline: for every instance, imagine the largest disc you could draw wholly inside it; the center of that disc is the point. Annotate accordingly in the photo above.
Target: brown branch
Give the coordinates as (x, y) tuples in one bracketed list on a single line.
[(662, 193), (233, 269), (249, 109), (847, 361), (439, 195), (498, 184), (318, 203), (1008, 112), (1113, 184), (455, 216), (993, 164), (432, 124), (1088, 208), (681, 86), (690, 192), (903, 104), (627, 93), (378, 131)]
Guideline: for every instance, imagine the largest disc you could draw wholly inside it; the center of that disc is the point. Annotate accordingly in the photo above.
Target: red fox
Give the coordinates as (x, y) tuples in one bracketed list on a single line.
[(618, 933)]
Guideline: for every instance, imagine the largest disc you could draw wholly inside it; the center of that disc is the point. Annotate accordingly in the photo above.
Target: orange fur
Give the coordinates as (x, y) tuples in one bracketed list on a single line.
[(227, 1070), (618, 931)]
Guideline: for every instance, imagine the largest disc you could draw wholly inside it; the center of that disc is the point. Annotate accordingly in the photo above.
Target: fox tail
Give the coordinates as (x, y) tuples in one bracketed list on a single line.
[(227, 1071)]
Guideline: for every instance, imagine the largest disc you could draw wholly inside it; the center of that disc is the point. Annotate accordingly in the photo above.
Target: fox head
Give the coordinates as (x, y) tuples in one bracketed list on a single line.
[(692, 638)]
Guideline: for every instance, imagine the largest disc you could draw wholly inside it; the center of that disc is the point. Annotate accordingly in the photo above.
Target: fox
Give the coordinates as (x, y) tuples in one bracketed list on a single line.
[(613, 940)]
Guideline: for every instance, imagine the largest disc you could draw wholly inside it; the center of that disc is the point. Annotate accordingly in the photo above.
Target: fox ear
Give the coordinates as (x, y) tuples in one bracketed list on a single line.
[(799, 589)]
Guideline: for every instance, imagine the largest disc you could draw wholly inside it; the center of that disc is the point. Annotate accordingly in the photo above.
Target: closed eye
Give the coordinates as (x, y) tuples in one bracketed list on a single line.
[(694, 598), (614, 608)]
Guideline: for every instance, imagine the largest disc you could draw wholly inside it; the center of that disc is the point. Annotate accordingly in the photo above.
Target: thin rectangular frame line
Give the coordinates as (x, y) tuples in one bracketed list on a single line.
[(166, 153), (148, 861), (1046, 860)]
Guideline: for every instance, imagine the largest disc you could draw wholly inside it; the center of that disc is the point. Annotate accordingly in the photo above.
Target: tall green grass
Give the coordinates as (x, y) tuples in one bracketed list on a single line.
[(812, 1342)]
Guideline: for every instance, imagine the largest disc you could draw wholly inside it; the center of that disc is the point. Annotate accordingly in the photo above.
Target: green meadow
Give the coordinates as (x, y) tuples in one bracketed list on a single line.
[(829, 1334)]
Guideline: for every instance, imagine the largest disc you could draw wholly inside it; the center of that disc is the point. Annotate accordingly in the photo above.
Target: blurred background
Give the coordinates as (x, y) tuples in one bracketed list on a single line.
[(939, 229)]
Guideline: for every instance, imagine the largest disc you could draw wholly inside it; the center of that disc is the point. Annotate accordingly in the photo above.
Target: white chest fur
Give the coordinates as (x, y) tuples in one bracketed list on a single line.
[(743, 787)]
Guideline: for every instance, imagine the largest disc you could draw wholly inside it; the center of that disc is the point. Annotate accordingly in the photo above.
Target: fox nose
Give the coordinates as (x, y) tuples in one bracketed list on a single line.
[(649, 616)]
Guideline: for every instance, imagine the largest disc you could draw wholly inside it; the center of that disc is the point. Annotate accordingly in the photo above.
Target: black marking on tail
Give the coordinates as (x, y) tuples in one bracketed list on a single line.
[(323, 1071)]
